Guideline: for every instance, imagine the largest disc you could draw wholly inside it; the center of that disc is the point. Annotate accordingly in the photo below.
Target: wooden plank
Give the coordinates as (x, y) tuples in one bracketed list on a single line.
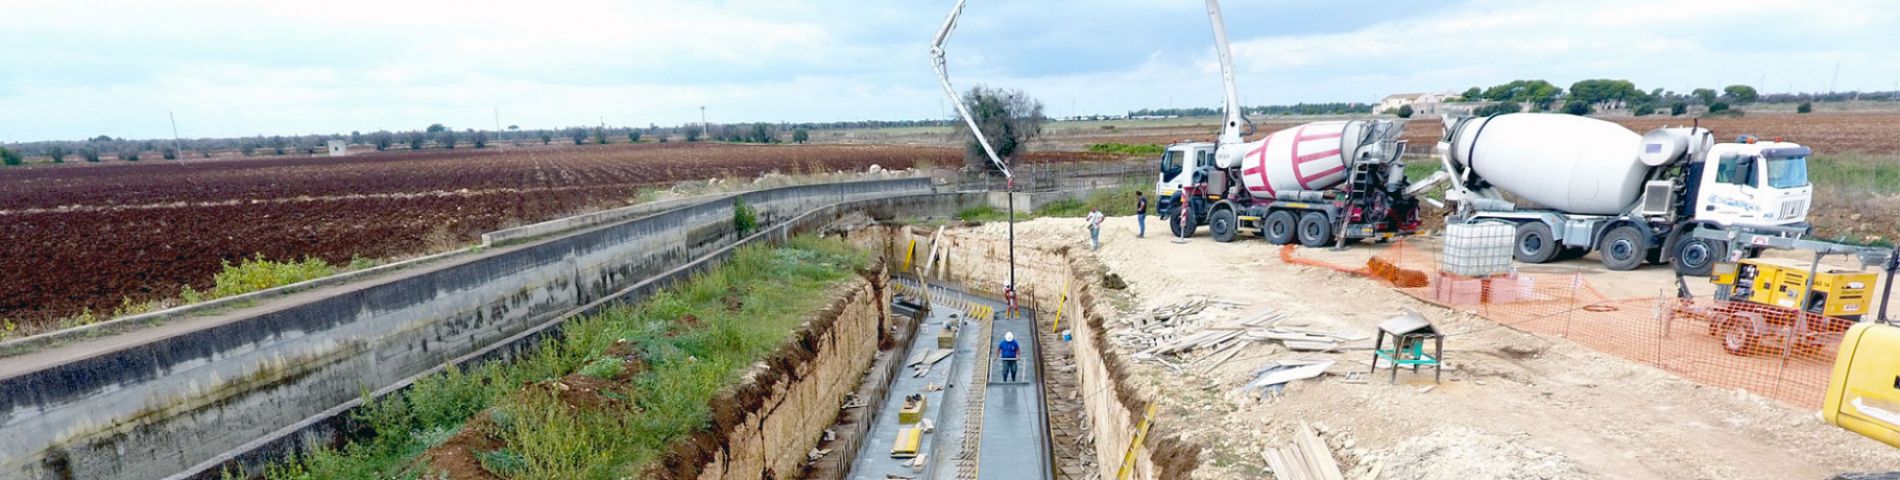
[(1321, 456)]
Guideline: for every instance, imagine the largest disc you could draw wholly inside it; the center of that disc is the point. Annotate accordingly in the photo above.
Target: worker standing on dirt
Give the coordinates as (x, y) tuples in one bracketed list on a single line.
[(1095, 228), (1007, 350), (1141, 215)]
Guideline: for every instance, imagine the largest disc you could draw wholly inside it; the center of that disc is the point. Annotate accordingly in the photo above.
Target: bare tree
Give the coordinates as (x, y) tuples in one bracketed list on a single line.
[(1008, 117)]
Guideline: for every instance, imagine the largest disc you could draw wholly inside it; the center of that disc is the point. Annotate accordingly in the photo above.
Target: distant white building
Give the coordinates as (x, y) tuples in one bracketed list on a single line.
[(1421, 103), (338, 148)]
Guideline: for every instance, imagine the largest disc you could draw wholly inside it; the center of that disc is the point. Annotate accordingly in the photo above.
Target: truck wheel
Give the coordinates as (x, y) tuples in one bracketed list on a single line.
[(1738, 336), (1535, 244), (1175, 227), (1315, 230), (1223, 224), (1696, 257), (1623, 248), (1280, 226)]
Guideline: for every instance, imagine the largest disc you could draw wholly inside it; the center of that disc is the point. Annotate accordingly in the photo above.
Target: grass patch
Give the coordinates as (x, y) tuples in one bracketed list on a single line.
[(739, 312), (983, 213), (1114, 202), (1146, 149), (1855, 173), (253, 274)]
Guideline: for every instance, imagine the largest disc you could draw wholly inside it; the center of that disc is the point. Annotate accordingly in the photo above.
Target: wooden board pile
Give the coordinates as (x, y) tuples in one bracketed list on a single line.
[(1189, 325), (1305, 458)]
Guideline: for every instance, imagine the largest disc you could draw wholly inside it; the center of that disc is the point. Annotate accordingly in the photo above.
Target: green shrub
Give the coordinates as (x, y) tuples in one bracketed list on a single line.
[(604, 368), (1644, 110), (57, 153), (10, 157), (744, 219), (1405, 111), (250, 275), (90, 154), (1148, 149), (1804, 107), (633, 136), (1577, 107), (1717, 107), (1499, 108), (1678, 108)]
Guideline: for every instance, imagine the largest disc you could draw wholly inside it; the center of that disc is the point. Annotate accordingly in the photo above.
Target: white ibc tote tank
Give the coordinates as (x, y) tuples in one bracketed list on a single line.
[(1563, 162)]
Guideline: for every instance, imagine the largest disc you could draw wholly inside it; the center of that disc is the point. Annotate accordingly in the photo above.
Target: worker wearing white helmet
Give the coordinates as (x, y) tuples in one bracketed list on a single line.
[(1008, 351)]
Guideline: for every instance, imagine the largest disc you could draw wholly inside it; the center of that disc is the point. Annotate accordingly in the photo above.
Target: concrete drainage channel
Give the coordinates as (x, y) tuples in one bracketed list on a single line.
[(247, 386)]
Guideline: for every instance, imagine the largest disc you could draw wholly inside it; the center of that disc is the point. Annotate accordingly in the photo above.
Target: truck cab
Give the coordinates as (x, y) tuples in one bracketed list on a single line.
[(1752, 183), (1179, 164)]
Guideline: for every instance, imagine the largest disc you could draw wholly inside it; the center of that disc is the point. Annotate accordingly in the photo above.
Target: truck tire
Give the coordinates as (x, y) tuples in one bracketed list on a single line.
[(1696, 257), (1623, 248), (1280, 227), (1223, 224), (1315, 230), (1739, 336), (1175, 227), (1534, 243)]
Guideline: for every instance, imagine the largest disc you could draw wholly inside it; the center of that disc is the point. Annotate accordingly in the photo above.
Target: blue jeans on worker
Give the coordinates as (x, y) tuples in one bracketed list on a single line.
[(1095, 238), (1141, 225), (1009, 369)]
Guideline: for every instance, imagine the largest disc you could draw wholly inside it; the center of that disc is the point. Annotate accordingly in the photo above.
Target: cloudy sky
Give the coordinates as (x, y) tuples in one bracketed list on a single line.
[(79, 68)]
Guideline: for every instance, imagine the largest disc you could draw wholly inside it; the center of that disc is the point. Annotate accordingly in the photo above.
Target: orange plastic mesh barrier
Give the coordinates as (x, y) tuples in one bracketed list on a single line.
[(1773, 352)]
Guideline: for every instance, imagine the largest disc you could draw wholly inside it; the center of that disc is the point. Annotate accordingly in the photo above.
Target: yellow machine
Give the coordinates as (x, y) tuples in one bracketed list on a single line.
[(1864, 394), (1844, 294)]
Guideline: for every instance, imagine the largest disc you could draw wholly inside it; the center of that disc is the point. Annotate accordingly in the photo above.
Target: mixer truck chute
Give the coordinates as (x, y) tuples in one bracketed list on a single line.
[(1574, 184), (1320, 184)]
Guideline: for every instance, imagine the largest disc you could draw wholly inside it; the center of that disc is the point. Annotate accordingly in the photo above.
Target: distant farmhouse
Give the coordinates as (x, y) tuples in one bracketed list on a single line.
[(1421, 103)]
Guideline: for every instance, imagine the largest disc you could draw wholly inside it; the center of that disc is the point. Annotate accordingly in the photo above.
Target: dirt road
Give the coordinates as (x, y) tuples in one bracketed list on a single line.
[(1513, 404)]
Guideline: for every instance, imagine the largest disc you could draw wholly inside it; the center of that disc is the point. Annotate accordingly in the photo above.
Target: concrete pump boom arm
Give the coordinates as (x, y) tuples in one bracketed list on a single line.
[(943, 77), (1230, 130)]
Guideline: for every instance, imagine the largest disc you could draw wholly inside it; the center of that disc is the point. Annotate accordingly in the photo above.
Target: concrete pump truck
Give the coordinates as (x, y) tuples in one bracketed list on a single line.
[(1322, 183)]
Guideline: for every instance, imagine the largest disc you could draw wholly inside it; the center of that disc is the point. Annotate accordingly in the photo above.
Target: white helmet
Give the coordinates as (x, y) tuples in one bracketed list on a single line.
[(1009, 336)]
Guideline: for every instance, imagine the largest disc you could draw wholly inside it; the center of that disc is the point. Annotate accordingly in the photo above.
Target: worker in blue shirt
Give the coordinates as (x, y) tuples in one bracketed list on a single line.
[(1007, 350)]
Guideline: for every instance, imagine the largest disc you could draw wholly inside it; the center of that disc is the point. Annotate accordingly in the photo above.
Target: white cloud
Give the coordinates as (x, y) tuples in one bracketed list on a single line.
[(79, 68)]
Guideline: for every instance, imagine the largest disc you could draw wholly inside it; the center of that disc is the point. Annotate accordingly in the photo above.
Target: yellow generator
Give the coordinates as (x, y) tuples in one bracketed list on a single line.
[(1842, 294), (1864, 393)]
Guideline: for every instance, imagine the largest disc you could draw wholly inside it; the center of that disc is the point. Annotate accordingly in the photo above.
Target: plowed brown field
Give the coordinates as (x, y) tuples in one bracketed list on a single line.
[(75, 237)]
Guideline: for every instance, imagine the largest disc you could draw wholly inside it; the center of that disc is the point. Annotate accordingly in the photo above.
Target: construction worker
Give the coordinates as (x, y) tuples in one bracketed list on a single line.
[(1141, 215), (1095, 228), (1009, 295), (1007, 350)]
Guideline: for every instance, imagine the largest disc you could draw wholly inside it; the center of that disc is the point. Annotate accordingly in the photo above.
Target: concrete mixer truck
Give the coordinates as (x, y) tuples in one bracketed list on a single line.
[(1322, 183), (1573, 184)]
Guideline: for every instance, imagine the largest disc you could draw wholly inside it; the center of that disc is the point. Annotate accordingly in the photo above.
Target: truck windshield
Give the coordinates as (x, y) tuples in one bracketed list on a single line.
[(1787, 172), (1170, 164)]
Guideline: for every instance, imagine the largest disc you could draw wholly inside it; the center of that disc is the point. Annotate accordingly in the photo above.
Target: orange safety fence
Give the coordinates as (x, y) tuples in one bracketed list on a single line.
[(1789, 361)]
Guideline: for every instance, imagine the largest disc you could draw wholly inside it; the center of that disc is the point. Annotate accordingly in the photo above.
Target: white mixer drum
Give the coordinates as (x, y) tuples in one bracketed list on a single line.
[(1306, 157), (1563, 162)]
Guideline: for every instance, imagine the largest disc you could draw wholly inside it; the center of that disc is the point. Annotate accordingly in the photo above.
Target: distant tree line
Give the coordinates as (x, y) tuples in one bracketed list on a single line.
[(1334, 108)]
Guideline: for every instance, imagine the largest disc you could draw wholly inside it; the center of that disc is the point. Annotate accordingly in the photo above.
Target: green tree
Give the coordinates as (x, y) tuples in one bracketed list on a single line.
[(480, 139), (1537, 94), (436, 128), (445, 139), (91, 154), (1472, 94), (801, 135), (1742, 94), (1499, 108), (382, 140), (1010, 119), (57, 153), (1678, 108), (416, 139), (1644, 109), (10, 157), (101, 138), (169, 153), (600, 135), (633, 135), (1577, 107), (578, 134), (692, 133), (1603, 91), (1717, 107), (1405, 111), (1707, 95), (1804, 107), (546, 137)]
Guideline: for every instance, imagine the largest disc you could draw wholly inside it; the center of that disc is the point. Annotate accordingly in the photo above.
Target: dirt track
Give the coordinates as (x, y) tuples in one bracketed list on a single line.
[(1513, 405)]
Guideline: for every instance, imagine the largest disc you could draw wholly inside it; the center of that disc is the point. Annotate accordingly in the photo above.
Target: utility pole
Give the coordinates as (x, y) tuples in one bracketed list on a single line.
[(1836, 82), (497, 120), (177, 153), (703, 130)]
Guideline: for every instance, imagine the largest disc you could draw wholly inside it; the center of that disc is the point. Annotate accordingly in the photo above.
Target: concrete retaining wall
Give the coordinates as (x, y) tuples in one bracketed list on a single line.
[(268, 377)]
